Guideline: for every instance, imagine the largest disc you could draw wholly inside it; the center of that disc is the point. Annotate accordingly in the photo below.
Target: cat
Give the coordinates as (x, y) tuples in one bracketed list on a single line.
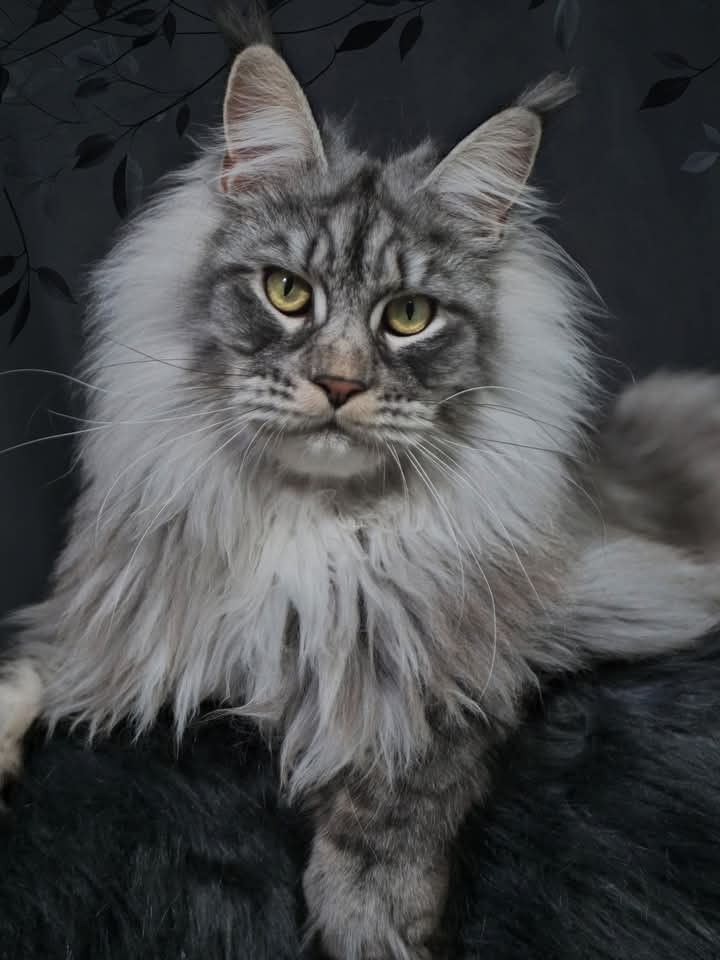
[(336, 477)]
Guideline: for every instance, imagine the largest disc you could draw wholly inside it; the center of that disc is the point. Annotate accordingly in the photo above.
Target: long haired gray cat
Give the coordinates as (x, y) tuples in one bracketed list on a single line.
[(340, 488)]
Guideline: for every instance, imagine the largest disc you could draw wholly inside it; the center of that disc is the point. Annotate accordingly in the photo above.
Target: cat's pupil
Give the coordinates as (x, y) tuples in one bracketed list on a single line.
[(410, 309), (288, 284)]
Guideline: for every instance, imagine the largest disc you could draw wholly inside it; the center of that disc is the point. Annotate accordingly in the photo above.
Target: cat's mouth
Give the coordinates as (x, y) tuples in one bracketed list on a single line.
[(327, 449)]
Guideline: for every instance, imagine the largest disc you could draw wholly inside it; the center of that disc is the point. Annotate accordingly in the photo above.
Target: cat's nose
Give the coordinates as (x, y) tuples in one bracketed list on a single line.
[(338, 390)]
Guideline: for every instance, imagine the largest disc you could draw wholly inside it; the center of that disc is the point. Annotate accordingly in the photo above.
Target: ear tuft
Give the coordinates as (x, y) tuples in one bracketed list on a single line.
[(242, 22), (270, 132), (549, 94)]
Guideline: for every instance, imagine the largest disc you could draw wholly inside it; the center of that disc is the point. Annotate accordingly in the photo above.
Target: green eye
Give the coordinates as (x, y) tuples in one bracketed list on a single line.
[(409, 315), (287, 292)]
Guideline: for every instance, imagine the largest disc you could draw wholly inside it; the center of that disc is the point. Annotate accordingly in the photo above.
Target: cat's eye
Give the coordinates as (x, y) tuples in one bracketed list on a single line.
[(408, 315), (287, 292)]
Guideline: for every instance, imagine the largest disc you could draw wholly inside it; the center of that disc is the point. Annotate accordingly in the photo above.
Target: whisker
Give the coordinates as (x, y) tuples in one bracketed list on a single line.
[(491, 386), (527, 416), (514, 443), (53, 436), (433, 492), (124, 423), (148, 453), (451, 527), (149, 358), (396, 458), (54, 373), (469, 482), (493, 655)]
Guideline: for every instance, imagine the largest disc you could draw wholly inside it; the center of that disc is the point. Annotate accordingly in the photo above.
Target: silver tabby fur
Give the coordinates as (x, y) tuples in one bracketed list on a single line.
[(358, 591)]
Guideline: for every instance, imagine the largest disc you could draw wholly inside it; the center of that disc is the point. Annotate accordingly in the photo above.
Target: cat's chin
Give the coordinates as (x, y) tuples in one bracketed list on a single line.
[(326, 454)]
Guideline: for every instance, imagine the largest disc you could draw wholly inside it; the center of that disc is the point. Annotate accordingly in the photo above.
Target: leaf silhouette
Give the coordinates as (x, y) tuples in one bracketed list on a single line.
[(134, 182), (144, 39), (127, 185), (712, 133), (182, 119), (535, 3), (665, 91), (93, 150), (363, 35), (140, 18), (21, 318), (675, 61), (4, 80), (89, 88), (565, 24), (169, 26), (55, 284), (410, 35), (6, 265), (102, 7), (700, 161), (49, 9), (9, 296), (119, 189)]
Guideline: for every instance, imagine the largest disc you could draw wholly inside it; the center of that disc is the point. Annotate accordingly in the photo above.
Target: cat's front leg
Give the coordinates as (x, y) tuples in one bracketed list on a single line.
[(376, 882), (20, 701)]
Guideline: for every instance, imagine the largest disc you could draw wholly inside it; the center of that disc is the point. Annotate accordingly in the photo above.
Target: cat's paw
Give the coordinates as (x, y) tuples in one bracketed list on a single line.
[(364, 909), (20, 699)]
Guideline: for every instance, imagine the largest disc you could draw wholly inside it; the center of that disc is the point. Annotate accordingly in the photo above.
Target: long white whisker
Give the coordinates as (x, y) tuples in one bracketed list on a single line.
[(491, 386), (511, 443), (470, 483), (451, 527), (54, 436), (124, 423), (148, 453), (493, 656), (54, 373), (396, 458)]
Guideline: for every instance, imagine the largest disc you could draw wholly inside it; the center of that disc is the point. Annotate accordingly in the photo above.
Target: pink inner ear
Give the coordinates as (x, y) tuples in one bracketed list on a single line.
[(236, 183)]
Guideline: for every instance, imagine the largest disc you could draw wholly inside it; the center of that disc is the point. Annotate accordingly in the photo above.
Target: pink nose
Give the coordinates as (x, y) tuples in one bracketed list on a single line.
[(338, 390)]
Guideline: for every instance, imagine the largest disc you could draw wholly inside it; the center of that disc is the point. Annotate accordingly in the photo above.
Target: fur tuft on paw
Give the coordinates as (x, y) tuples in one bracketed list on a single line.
[(20, 700)]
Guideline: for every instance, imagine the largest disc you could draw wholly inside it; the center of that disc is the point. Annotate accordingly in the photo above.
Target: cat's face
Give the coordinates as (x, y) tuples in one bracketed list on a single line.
[(343, 302), (345, 319)]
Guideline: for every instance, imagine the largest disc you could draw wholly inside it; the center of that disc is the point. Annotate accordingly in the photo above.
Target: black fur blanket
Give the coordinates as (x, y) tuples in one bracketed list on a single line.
[(602, 839)]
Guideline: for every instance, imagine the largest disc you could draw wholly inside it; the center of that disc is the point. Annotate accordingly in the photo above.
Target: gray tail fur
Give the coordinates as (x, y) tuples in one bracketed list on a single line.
[(242, 22)]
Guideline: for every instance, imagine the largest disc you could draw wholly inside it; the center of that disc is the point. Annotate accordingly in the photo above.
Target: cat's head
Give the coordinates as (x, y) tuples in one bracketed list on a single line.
[(347, 299), (297, 309)]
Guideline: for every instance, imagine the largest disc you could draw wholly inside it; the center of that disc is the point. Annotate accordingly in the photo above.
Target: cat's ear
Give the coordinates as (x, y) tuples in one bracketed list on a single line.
[(487, 172), (270, 132), (484, 175)]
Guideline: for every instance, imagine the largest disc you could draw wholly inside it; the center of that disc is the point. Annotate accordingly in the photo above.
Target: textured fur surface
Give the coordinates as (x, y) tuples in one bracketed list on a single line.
[(597, 844)]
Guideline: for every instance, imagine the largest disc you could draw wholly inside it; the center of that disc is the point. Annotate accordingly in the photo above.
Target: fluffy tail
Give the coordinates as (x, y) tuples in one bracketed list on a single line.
[(242, 23)]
